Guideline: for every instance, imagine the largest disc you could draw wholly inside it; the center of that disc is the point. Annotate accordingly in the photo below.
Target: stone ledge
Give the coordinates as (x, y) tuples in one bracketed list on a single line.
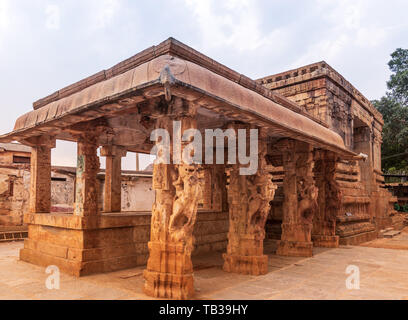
[(101, 221), (343, 219), (358, 238), (107, 220)]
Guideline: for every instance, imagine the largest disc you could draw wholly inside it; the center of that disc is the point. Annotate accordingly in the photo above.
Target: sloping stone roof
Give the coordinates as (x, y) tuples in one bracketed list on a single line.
[(152, 72), (16, 147)]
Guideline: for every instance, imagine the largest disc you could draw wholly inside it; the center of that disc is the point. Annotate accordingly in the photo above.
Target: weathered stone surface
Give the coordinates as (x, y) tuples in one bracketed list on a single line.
[(249, 200), (86, 194), (169, 272), (331, 100), (300, 199), (329, 200), (113, 178), (40, 190)]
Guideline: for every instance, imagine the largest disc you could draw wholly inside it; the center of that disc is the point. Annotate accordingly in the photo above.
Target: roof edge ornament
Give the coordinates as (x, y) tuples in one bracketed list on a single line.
[(167, 80)]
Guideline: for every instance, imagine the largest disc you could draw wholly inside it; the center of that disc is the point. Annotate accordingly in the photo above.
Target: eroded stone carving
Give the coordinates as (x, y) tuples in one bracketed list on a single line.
[(329, 202), (169, 272), (300, 199), (249, 200)]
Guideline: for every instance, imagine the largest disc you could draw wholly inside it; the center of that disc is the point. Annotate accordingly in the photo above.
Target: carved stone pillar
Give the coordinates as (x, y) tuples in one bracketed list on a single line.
[(169, 272), (300, 199), (219, 191), (249, 200), (40, 186), (207, 190), (86, 189), (329, 200), (113, 177)]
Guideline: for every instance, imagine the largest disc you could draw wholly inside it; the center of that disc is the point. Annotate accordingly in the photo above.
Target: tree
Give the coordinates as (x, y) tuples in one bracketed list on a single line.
[(394, 108), (398, 83)]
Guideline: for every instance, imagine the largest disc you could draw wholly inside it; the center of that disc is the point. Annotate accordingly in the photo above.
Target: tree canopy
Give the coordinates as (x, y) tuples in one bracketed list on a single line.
[(394, 108)]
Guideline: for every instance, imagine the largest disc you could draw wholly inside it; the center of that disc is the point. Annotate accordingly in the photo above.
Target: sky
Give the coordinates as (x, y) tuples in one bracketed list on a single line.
[(46, 45)]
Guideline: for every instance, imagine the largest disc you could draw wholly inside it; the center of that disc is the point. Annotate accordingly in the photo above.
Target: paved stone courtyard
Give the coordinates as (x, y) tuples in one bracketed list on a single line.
[(384, 275)]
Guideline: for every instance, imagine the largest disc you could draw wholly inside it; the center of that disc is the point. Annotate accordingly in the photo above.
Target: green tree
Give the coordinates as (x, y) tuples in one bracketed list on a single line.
[(398, 83), (394, 108)]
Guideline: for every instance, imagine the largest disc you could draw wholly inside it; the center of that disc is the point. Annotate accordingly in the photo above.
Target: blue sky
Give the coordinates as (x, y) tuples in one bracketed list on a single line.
[(46, 45)]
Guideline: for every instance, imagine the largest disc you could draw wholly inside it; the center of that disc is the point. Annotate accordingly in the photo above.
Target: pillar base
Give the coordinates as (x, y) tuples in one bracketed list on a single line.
[(169, 272), (252, 265), (295, 248), (325, 241), (168, 285)]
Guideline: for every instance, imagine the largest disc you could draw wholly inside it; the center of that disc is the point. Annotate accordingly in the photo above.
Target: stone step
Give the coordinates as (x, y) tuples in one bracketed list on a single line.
[(13, 236), (391, 234)]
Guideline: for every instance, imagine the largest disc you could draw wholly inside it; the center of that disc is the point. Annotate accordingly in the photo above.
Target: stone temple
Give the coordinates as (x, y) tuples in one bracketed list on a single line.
[(319, 181)]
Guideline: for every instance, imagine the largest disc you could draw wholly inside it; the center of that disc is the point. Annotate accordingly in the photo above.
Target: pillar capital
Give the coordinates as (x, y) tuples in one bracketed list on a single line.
[(113, 151), (41, 141)]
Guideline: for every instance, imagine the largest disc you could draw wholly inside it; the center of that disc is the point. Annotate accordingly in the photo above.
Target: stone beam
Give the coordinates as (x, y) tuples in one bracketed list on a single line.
[(113, 177)]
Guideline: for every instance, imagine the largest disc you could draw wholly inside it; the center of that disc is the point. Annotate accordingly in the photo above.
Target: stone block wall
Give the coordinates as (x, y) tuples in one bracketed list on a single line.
[(121, 241)]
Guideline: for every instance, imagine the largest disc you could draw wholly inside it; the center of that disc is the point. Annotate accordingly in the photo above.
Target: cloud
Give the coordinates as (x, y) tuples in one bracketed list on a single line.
[(4, 5), (230, 24), (4, 17), (53, 17), (104, 12), (347, 25)]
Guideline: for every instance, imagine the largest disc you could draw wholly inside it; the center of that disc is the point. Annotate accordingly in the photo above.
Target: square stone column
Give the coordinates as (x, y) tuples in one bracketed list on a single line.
[(88, 166), (113, 177), (300, 199), (249, 198), (169, 272), (40, 185)]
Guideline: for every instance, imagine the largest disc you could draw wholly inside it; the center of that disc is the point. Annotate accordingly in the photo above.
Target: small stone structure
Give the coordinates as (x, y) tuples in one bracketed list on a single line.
[(14, 182), (311, 175)]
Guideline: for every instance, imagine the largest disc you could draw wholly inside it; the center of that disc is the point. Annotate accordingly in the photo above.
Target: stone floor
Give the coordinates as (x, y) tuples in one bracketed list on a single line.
[(384, 275)]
